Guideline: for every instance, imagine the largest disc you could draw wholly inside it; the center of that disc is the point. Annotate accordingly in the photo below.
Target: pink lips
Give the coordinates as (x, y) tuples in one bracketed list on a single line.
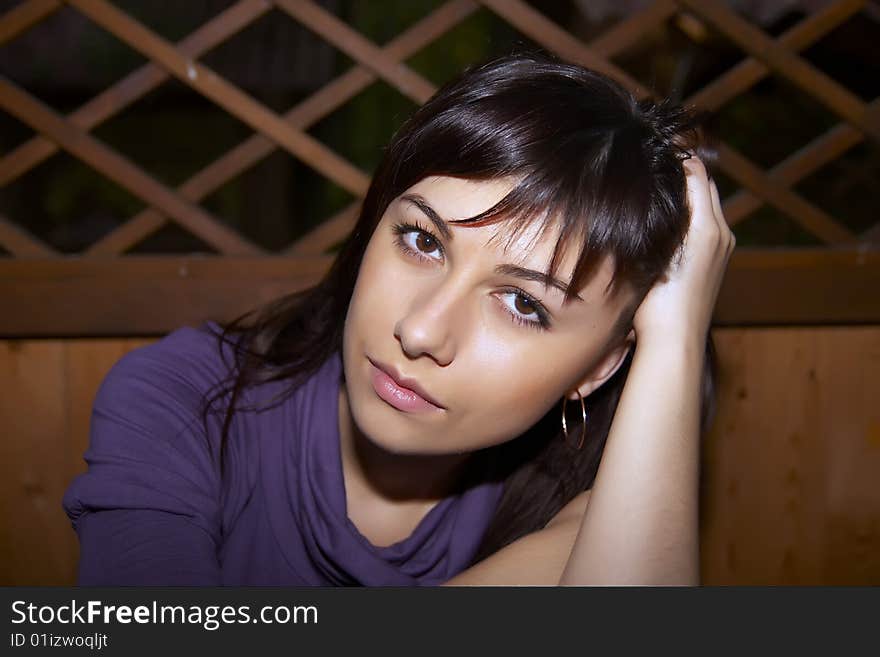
[(400, 397)]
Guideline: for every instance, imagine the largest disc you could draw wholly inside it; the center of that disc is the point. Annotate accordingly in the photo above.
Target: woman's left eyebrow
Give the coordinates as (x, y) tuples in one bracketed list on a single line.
[(532, 275), (502, 270)]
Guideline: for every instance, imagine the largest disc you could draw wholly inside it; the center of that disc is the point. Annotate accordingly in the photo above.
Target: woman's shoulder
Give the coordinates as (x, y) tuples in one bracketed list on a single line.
[(160, 390), (150, 447), (188, 356)]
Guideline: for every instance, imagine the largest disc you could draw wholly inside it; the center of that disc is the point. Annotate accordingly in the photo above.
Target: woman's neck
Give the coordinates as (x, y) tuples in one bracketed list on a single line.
[(394, 478)]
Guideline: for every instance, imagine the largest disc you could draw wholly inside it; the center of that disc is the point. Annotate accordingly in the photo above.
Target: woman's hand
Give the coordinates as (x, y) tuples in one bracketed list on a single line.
[(681, 303)]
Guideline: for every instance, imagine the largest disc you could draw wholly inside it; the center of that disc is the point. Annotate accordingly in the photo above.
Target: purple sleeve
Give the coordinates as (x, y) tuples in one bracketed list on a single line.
[(147, 511), (124, 547)]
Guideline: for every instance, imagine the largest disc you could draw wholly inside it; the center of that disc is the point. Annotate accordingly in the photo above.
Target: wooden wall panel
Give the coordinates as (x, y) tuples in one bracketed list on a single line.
[(33, 537), (792, 466), (48, 388), (790, 476)]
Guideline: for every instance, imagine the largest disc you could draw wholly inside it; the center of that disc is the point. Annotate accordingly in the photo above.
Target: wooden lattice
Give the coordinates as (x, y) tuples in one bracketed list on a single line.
[(102, 291)]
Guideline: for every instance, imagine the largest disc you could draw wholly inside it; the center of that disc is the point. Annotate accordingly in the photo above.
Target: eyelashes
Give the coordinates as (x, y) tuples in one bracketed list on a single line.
[(407, 236)]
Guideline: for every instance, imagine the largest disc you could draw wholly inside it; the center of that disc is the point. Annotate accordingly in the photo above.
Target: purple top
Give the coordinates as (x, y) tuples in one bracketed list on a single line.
[(152, 509)]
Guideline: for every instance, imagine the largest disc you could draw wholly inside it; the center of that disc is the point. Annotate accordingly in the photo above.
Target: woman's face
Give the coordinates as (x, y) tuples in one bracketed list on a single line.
[(452, 340)]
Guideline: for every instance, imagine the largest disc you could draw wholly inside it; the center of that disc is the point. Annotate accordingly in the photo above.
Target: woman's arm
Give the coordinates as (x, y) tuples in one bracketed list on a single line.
[(535, 559), (641, 526), (147, 511), (144, 548)]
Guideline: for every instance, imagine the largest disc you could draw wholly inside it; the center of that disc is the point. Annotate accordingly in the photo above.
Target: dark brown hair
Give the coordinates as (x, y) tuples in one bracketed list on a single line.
[(584, 153)]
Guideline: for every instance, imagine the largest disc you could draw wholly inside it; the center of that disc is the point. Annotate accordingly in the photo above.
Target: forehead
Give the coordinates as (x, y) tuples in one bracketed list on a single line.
[(459, 198), (532, 247)]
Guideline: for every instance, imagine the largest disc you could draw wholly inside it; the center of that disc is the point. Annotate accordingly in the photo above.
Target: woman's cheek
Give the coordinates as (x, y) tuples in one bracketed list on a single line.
[(500, 345), (380, 281), (502, 365)]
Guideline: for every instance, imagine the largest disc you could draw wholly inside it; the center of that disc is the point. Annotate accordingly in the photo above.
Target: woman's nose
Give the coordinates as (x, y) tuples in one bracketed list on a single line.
[(428, 328)]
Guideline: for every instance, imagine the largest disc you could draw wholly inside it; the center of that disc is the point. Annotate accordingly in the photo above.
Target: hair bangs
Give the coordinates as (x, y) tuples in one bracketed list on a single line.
[(597, 210)]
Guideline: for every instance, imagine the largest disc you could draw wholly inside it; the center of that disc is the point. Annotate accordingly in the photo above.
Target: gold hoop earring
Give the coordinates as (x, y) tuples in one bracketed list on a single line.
[(583, 426)]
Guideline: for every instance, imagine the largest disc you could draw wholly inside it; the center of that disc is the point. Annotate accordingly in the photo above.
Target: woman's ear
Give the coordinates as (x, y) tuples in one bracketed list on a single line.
[(605, 368)]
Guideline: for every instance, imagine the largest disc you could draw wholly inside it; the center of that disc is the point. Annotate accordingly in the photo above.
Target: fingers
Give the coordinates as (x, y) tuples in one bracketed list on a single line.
[(728, 236), (716, 200), (706, 213), (699, 196)]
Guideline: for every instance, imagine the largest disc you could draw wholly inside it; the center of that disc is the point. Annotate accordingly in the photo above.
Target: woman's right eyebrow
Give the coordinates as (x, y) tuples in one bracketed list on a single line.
[(429, 212)]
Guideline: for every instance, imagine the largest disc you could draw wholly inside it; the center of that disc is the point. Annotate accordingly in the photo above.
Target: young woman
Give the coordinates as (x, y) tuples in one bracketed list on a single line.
[(538, 255)]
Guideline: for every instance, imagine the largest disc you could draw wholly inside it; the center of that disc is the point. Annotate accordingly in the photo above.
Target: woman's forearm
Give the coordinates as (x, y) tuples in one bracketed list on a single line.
[(641, 525)]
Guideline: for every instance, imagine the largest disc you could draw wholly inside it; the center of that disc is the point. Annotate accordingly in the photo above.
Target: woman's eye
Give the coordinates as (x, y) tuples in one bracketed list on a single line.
[(418, 242), (524, 310)]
